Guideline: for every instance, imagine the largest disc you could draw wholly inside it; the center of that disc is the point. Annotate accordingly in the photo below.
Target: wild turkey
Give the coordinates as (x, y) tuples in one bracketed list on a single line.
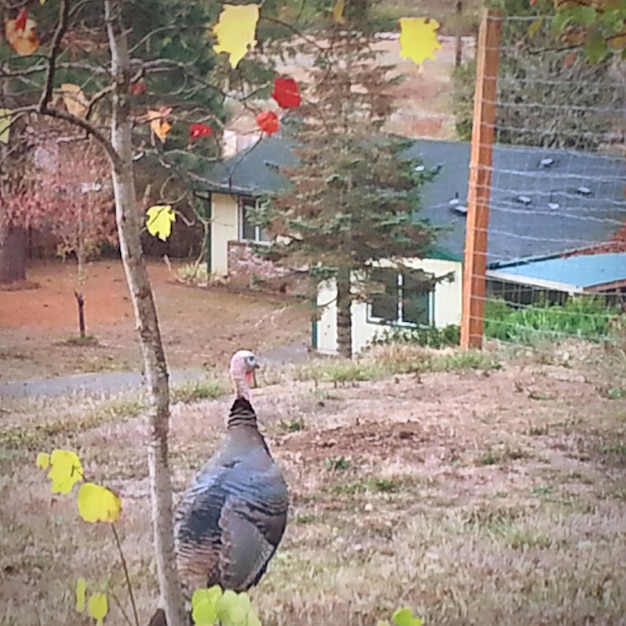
[(232, 516)]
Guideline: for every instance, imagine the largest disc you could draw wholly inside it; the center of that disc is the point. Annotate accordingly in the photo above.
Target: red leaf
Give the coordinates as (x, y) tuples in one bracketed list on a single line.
[(20, 20), (198, 131), (268, 122), (286, 93), (138, 88)]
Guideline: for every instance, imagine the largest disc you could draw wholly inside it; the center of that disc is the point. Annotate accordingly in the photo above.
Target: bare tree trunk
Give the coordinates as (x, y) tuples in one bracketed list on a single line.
[(458, 51), (80, 301), (12, 252), (12, 238), (146, 319), (344, 314)]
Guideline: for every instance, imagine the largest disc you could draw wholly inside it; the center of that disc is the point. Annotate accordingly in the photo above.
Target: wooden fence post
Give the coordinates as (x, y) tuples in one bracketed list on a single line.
[(475, 264)]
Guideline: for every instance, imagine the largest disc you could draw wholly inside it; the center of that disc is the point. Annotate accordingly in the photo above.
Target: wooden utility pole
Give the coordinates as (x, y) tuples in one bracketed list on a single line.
[(475, 265)]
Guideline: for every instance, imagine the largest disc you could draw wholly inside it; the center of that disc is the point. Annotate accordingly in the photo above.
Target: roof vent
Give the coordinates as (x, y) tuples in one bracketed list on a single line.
[(526, 200), (554, 205), (583, 191), (547, 162)]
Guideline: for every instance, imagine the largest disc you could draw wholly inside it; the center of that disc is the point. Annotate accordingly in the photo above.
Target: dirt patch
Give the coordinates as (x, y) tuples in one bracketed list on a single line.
[(200, 326)]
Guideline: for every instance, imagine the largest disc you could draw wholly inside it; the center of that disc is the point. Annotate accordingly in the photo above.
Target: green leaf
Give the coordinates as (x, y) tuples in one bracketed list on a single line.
[(584, 15), (596, 47), (533, 29), (560, 21), (613, 20)]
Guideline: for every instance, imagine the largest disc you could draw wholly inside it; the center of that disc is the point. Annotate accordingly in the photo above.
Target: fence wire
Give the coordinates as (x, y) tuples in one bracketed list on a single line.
[(556, 257)]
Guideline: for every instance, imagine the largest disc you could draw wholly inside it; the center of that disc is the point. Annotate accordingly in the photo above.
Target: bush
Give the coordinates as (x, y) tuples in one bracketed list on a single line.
[(582, 317), (428, 336)]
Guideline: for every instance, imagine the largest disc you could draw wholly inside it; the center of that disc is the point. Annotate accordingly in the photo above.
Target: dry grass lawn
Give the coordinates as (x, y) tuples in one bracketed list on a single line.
[(477, 489)]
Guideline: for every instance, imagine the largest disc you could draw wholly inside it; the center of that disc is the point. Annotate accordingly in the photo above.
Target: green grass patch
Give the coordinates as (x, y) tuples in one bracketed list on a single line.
[(384, 363), (196, 390), (78, 341), (581, 317)]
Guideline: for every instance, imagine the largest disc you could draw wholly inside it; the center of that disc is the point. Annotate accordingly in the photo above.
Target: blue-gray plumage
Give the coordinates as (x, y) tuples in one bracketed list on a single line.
[(232, 516)]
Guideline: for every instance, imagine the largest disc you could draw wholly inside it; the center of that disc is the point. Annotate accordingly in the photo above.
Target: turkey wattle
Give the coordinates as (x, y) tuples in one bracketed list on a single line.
[(232, 516)]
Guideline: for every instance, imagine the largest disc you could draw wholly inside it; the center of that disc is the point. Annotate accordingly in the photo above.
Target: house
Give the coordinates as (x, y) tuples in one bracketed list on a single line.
[(547, 207)]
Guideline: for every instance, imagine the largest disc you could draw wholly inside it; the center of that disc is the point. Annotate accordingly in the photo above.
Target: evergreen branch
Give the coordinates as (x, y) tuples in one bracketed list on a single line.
[(293, 30)]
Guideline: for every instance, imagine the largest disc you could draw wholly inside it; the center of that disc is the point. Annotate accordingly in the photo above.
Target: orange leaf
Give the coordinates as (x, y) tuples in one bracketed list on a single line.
[(21, 34), (159, 125), (74, 99)]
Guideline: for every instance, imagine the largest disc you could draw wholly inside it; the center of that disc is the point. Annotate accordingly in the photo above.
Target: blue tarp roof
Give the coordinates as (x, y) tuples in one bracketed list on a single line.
[(578, 273)]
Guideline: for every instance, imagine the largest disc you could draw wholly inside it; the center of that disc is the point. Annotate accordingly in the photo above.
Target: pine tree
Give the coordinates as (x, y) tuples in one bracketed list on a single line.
[(353, 194)]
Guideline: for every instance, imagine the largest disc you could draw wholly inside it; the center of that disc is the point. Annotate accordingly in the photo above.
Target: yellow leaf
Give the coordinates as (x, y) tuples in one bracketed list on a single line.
[(81, 586), (98, 607), (418, 39), (74, 99), (98, 504), (231, 609), (159, 221), (5, 125), (43, 460), (65, 470), (204, 603), (235, 31), (338, 11)]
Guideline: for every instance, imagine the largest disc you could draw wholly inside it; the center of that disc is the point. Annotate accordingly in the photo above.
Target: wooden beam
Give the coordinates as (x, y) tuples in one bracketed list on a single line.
[(475, 264)]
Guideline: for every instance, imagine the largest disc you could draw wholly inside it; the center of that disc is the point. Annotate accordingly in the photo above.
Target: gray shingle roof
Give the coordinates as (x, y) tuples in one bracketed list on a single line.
[(543, 202)]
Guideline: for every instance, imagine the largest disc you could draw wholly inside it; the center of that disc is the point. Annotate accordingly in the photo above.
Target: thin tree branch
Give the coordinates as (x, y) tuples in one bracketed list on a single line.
[(55, 49), (126, 574)]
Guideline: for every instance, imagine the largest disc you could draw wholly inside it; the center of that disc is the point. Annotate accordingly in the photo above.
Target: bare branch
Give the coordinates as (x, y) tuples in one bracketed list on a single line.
[(55, 49)]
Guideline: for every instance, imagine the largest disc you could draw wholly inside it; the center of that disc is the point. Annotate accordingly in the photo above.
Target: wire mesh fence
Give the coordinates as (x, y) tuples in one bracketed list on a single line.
[(554, 184)]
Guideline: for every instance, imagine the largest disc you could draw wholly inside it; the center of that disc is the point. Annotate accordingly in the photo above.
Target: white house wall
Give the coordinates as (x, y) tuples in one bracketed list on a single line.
[(224, 228), (446, 300)]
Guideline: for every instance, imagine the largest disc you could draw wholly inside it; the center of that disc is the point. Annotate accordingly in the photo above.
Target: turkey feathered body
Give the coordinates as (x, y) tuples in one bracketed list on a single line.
[(232, 516)]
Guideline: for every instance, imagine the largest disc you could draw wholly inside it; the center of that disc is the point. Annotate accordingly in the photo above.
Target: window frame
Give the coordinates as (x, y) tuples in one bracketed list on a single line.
[(247, 202), (399, 320)]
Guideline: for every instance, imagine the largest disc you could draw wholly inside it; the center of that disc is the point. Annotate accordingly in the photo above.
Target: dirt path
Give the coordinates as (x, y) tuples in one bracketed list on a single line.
[(201, 327)]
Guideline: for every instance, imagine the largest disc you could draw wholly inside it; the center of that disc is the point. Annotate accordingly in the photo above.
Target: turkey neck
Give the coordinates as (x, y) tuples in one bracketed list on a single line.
[(242, 415), (240, 384)]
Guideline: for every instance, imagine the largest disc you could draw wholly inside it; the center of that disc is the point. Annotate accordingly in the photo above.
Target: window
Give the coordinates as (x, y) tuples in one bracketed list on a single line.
[(248, 230), (405, 298)]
